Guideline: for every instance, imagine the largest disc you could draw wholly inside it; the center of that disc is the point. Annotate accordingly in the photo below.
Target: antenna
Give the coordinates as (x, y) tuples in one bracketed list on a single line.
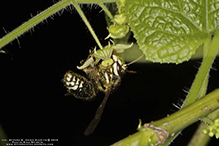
[(135, 60)]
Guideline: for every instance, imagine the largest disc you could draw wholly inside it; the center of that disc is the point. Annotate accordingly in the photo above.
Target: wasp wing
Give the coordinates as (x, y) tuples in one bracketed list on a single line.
[(98, 115)]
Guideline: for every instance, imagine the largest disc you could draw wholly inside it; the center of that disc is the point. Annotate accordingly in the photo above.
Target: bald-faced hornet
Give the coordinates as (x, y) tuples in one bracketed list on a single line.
[(103, 69)]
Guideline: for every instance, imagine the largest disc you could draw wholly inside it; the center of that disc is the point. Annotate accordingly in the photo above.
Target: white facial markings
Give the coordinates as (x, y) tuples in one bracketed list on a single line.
[(107, 78), (115, 69), (111, 74), (115, 58)]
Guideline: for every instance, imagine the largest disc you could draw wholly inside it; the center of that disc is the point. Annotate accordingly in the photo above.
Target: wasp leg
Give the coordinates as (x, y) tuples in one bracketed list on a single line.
[(98, 115)]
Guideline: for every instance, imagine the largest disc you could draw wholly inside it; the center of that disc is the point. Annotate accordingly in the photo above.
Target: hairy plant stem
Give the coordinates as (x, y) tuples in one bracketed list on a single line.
[(201, 108), (199, 85), (96, 1), (32, 22), (203, 88), (48, 12), (199, 138), (106, 10), (77, 7), (176, 121), (183, 117)]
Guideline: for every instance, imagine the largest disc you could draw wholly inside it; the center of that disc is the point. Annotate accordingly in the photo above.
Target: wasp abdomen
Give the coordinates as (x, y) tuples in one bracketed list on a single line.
[(79, 86)]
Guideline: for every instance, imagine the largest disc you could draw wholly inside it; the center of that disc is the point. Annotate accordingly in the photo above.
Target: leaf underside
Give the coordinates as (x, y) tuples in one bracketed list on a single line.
[(170, 31)]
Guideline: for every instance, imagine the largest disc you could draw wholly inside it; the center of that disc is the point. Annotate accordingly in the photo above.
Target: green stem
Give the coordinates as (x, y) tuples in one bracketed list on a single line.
[(106, 10), (207, 120), (204, 86), (203, 72), (185, 117), (45, 14), (32, 22), (209, 55), (95, 1), (182, 118), (77, 7), (200, 139), (200, 82)]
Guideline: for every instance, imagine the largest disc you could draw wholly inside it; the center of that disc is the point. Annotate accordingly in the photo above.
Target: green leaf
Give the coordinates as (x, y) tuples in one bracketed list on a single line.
[(170, 31)]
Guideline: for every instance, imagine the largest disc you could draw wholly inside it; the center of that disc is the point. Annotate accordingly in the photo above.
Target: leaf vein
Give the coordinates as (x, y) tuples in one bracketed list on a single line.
[(181, 13)]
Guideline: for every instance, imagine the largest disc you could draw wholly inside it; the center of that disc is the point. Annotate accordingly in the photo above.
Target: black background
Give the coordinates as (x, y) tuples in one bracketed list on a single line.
[(32, 101)]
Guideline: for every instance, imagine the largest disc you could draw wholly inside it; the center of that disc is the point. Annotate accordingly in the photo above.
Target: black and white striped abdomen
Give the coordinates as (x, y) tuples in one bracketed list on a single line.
[(79, 86)]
